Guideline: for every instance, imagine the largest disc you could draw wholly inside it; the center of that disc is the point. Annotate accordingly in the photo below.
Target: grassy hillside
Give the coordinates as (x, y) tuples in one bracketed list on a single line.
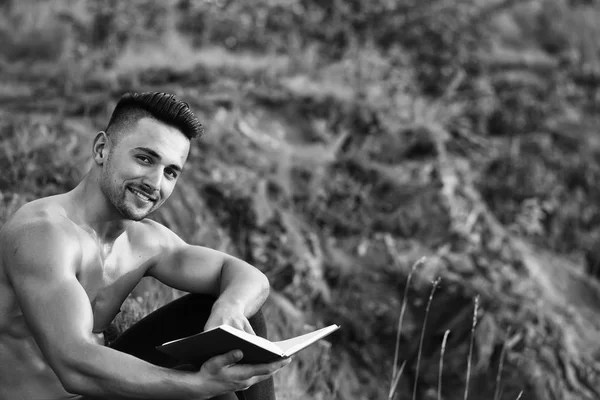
[(345, 141)]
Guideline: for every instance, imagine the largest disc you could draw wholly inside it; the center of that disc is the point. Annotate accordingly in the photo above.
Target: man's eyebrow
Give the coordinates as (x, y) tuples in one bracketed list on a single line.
[(157, 156)]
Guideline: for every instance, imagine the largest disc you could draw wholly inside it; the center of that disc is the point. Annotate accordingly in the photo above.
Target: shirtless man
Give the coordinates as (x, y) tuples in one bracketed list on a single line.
[(67, 263)]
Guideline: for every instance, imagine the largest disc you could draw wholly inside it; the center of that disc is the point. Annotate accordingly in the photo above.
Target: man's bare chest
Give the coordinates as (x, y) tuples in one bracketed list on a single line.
[(108, 278)]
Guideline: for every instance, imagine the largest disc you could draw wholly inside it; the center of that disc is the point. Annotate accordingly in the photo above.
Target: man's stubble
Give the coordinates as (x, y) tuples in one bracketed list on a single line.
[(117, 195)]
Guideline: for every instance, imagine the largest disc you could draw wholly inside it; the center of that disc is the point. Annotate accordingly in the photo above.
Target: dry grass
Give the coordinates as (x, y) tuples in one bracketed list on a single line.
[(175, 52), (397, 372), (37, 159), (441, 368)]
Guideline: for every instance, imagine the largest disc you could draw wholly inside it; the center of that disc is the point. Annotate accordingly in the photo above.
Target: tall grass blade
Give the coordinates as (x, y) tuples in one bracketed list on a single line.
[(402, 307), (435, 284), (396, 380), (442, 363), (471, 347), (500, 365)]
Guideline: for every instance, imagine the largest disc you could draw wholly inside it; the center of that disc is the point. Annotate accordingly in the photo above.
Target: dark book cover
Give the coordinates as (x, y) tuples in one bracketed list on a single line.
[(198, 348)]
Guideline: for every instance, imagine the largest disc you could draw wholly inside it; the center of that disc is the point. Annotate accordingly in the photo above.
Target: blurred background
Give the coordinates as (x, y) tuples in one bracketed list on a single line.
[(345, 140)]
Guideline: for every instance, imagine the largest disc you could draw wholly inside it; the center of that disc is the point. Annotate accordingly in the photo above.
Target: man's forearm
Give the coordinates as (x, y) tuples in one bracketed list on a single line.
[(242, 285), (106, 373)]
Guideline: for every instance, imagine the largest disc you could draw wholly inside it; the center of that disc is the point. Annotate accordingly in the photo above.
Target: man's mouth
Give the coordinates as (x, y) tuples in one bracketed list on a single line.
[(145, 197)]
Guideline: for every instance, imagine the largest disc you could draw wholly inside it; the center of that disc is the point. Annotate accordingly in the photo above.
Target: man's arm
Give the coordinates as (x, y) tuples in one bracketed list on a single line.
[(240, 288), (42, 260)]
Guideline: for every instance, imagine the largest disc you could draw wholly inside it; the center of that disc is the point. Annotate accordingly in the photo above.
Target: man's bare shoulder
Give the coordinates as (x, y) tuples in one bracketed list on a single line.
[(153, 241), (41, 223), (150, 233), (37, 212)]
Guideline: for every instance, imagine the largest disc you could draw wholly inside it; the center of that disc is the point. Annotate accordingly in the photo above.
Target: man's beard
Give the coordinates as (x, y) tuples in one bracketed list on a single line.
[(126, 210), (118, 198)]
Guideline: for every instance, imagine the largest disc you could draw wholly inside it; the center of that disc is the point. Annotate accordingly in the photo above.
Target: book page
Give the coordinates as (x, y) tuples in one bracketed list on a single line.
[(293, 345), (257, 340)]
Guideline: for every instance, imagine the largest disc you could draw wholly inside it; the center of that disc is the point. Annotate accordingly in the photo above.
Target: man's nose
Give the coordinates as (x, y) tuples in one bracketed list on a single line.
[(153, 179)]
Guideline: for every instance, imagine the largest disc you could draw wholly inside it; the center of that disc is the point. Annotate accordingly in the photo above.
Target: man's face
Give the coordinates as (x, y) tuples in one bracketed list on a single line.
[(143, 166)]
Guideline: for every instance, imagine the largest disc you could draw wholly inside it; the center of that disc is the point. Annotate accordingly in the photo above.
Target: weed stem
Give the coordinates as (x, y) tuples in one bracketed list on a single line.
[(500, 365), (442, 363), (435, 284), (402, 310), (471, 347)]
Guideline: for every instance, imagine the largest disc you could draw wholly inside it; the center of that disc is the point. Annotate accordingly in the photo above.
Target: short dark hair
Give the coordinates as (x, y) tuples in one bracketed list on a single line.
[(163, 107)]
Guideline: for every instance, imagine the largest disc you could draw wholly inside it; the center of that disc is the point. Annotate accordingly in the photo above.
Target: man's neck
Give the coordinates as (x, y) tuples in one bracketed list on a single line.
[(95, 212)]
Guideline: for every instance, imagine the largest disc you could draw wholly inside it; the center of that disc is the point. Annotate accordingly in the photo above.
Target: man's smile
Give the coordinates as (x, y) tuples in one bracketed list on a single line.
[(142, 195)]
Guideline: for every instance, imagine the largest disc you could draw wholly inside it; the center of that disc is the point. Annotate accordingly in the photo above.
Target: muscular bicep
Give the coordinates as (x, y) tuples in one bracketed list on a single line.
[(187, 267), (190, 268), (42, 270)]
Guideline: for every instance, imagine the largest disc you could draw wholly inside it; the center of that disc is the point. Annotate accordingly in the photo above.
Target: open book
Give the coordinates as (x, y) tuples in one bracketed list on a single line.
[(198, 348)]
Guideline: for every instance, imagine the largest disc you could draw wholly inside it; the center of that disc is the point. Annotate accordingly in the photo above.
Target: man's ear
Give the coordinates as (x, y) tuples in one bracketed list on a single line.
[(100, 148)]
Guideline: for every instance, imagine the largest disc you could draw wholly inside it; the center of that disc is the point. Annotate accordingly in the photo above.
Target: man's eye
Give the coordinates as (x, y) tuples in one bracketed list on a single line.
[(172, 174), (143, 159)]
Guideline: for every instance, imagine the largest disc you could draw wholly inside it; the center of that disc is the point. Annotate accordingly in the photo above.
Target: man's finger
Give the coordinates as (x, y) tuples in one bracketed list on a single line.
[(260, 378), (224, 360), (249, 370), (248, 327)]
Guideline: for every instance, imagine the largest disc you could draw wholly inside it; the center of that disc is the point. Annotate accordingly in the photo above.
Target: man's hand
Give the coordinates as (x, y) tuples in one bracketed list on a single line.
[(222, 375), (228, 314)]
